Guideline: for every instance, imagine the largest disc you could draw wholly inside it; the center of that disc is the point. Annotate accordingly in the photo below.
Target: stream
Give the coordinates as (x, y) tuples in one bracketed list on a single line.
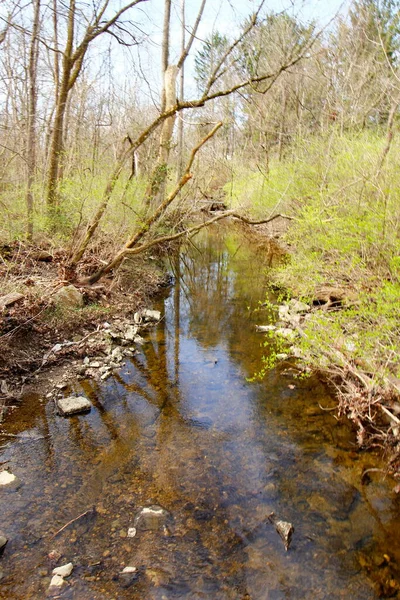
[(181, 432)]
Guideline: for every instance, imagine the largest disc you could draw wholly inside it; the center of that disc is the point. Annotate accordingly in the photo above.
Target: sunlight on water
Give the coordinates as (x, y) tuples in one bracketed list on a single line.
[(181, 433)]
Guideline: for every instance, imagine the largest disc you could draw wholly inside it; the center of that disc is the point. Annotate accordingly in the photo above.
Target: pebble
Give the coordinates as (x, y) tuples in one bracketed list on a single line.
[(6, 478), (57, 581), (64, 570), (3, 543)]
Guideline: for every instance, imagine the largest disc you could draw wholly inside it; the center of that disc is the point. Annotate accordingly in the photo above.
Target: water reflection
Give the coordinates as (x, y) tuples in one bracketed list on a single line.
[(179, 426)]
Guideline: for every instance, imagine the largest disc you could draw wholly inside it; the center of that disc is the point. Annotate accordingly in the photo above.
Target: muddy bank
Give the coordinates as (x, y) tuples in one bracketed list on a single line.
[(46, 334)]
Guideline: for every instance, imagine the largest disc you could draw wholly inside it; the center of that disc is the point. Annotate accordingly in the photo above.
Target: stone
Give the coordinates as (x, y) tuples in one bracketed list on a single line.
[(137, 318), (117, 354), (130, 333), (73, 405), (139, 340), (287, 333), (64, 570), (129, 570), (6, 478), (3, 543), (57, 581), (283, 312), (151, 315), (296, 306), (132, 532), (283, 528), (265, 328), (152, 518), (10, 299), (95, 364), (68, 297)]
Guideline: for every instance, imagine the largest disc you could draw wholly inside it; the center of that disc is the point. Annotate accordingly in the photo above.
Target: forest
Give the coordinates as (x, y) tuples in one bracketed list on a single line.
[(127, 126)]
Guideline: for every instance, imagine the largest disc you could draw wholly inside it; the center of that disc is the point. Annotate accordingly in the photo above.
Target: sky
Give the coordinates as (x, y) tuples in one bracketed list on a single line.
[(224, 16)]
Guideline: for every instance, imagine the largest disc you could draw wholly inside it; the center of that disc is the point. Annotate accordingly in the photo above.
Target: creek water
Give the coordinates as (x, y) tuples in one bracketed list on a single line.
[(181, 427)]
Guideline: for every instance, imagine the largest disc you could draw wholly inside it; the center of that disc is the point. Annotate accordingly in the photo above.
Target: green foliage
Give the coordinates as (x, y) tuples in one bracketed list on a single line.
[(346, 234)]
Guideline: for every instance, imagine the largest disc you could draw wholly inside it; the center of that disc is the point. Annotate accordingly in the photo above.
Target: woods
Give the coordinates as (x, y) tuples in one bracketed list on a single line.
[(112, 139)]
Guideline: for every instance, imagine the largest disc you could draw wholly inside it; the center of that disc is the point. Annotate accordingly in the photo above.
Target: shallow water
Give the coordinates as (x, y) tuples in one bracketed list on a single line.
[(180, 427)]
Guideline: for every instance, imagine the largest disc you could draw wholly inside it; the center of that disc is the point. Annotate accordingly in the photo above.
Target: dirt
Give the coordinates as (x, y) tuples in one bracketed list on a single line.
[(32, 326)]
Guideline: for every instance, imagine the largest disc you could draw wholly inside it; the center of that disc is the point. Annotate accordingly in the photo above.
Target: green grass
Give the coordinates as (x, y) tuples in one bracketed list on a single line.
[(346, 233)]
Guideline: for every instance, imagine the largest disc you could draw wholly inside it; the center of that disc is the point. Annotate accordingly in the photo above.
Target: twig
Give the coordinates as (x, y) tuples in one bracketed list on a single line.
[(93, 509)]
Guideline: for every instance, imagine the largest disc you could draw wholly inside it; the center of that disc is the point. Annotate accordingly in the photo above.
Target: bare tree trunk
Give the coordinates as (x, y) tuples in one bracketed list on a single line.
[(56, 146), (165, 51), (181, 92), (32, 106)]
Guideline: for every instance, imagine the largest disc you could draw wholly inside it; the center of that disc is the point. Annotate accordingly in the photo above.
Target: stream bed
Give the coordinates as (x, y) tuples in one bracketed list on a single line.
[(178, 466)]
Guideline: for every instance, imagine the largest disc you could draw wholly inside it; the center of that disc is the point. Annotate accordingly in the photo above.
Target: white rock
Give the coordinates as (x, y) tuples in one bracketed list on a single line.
[(131, 532), (6, 478), (296, 306), (283, 312), (286, 333), (151, 315), (139, 340), (130, 333), (64, 570), (129, 570), (137, 318), (57, 581), (265, 328), (73, 405), (95, 364)]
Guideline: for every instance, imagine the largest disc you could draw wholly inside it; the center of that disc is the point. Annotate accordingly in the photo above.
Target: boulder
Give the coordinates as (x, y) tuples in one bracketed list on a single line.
[(73, 405), (68, 297)]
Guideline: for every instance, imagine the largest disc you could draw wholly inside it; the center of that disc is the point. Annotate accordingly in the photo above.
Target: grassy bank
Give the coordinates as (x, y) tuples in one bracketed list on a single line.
[(344, 192)]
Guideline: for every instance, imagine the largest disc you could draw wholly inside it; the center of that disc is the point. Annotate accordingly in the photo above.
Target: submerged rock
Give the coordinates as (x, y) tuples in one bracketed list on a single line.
[(128, 576), (6, 478), (283, 528), (3, 543), (73, 405), (152, 518)]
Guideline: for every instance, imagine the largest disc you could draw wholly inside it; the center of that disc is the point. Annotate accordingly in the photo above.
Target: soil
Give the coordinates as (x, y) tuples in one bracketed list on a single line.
[(32, 326)]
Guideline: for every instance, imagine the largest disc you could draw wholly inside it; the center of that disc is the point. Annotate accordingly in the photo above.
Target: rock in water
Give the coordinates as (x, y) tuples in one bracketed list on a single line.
[(73, 405), (3, 543), (56, 581), (68, 297), (284, 529), (6, 478), (64, 571), (152, 518), (151, 315)]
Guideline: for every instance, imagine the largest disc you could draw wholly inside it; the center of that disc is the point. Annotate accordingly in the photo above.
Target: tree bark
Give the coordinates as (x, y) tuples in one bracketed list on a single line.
[(32, 116)]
